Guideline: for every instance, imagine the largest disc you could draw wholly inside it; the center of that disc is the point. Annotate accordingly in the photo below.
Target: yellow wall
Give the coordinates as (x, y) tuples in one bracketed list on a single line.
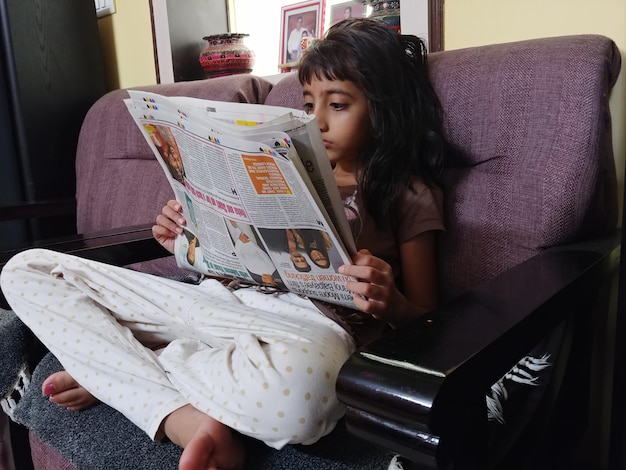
[(479, 22), (126, 38)]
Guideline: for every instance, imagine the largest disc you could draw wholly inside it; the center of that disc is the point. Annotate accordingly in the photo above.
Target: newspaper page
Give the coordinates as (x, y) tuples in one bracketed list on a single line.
[(243, 118), (244, 195)]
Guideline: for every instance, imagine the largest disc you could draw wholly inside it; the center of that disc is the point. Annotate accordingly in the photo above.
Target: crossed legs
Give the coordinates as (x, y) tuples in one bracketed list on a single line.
[(227, 356)]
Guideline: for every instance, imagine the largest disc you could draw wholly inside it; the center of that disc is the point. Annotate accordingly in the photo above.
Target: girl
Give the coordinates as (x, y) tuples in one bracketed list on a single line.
[(195, 362)]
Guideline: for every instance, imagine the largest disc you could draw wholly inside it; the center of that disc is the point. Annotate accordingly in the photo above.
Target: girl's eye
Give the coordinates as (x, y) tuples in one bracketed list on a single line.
[(308, 108), (338, 106)]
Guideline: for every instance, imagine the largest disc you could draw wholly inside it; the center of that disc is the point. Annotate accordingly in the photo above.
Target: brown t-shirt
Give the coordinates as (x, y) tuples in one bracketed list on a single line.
[(420, 209)]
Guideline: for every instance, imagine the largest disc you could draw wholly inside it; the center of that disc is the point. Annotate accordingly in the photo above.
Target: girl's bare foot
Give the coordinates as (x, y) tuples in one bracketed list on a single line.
[(208, 444), (65, 391)]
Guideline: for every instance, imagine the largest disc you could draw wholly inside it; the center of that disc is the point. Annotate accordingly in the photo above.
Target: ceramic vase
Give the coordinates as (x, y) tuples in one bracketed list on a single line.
[(226, 54)]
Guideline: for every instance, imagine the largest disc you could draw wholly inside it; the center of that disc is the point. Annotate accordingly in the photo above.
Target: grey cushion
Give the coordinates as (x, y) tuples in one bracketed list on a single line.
[(101, 438)]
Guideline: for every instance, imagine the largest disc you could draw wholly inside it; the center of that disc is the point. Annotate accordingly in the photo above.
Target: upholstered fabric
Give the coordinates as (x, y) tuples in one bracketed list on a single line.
[(518, 129), (45, 457), (287, 92)]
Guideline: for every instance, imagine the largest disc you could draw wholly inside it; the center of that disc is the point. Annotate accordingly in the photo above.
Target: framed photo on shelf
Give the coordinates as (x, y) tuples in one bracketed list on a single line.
[(299, 21), (345, 10)]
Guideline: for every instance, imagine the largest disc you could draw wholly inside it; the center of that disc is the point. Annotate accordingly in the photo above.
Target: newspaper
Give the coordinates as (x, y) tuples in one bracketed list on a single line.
[(257, 191)]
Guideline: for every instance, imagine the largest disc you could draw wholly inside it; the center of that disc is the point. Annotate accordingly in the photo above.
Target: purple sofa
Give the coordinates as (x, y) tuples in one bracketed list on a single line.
[(530, 170), (510, 114)]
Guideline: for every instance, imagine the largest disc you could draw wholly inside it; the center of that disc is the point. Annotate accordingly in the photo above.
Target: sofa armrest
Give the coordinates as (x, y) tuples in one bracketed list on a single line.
[(420, 390), (120, 246)]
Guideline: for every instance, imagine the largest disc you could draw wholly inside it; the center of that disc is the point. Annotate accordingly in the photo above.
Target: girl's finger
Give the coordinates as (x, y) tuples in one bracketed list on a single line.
[(170, 231), (167, 223), (173, 215)]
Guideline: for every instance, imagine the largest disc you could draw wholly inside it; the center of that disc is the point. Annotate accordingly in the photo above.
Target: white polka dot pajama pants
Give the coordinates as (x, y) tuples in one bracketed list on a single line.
[(264, 365)]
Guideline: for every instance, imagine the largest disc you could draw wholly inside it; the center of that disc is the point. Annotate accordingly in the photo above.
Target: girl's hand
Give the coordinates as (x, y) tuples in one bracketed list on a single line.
[(375, 289), (169, 225)]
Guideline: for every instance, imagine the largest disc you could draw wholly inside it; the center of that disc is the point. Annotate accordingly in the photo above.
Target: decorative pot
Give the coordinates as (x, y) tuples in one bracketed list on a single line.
[(226, 54), (387, 11)]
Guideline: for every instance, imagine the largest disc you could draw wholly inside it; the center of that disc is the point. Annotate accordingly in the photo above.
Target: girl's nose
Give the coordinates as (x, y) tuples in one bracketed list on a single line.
[(321, 122)]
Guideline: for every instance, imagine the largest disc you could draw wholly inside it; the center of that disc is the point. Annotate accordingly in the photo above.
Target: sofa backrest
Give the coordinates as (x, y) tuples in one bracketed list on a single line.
[(530, 159), (287, 92)]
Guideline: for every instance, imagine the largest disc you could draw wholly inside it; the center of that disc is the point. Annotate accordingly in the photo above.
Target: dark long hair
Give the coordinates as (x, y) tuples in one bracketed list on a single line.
[(405, 120)]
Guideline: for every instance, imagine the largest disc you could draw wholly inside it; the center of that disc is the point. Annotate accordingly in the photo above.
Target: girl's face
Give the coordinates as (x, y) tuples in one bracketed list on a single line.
[(342, 115)]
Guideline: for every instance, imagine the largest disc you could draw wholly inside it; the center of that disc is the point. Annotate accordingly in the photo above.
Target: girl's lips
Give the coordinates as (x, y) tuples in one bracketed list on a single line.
[(327, 143)]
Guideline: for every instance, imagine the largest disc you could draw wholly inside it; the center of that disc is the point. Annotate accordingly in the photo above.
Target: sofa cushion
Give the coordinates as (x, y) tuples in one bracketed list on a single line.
[(287, 92), (517, 120), (101, 438)]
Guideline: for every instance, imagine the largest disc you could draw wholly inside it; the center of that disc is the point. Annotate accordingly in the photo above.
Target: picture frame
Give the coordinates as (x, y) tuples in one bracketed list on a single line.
[(296, 19), (357, 9)]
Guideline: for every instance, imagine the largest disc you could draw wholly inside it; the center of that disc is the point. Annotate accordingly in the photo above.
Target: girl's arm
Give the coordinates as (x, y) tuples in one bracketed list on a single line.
[(376, 292), (169, 225)]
